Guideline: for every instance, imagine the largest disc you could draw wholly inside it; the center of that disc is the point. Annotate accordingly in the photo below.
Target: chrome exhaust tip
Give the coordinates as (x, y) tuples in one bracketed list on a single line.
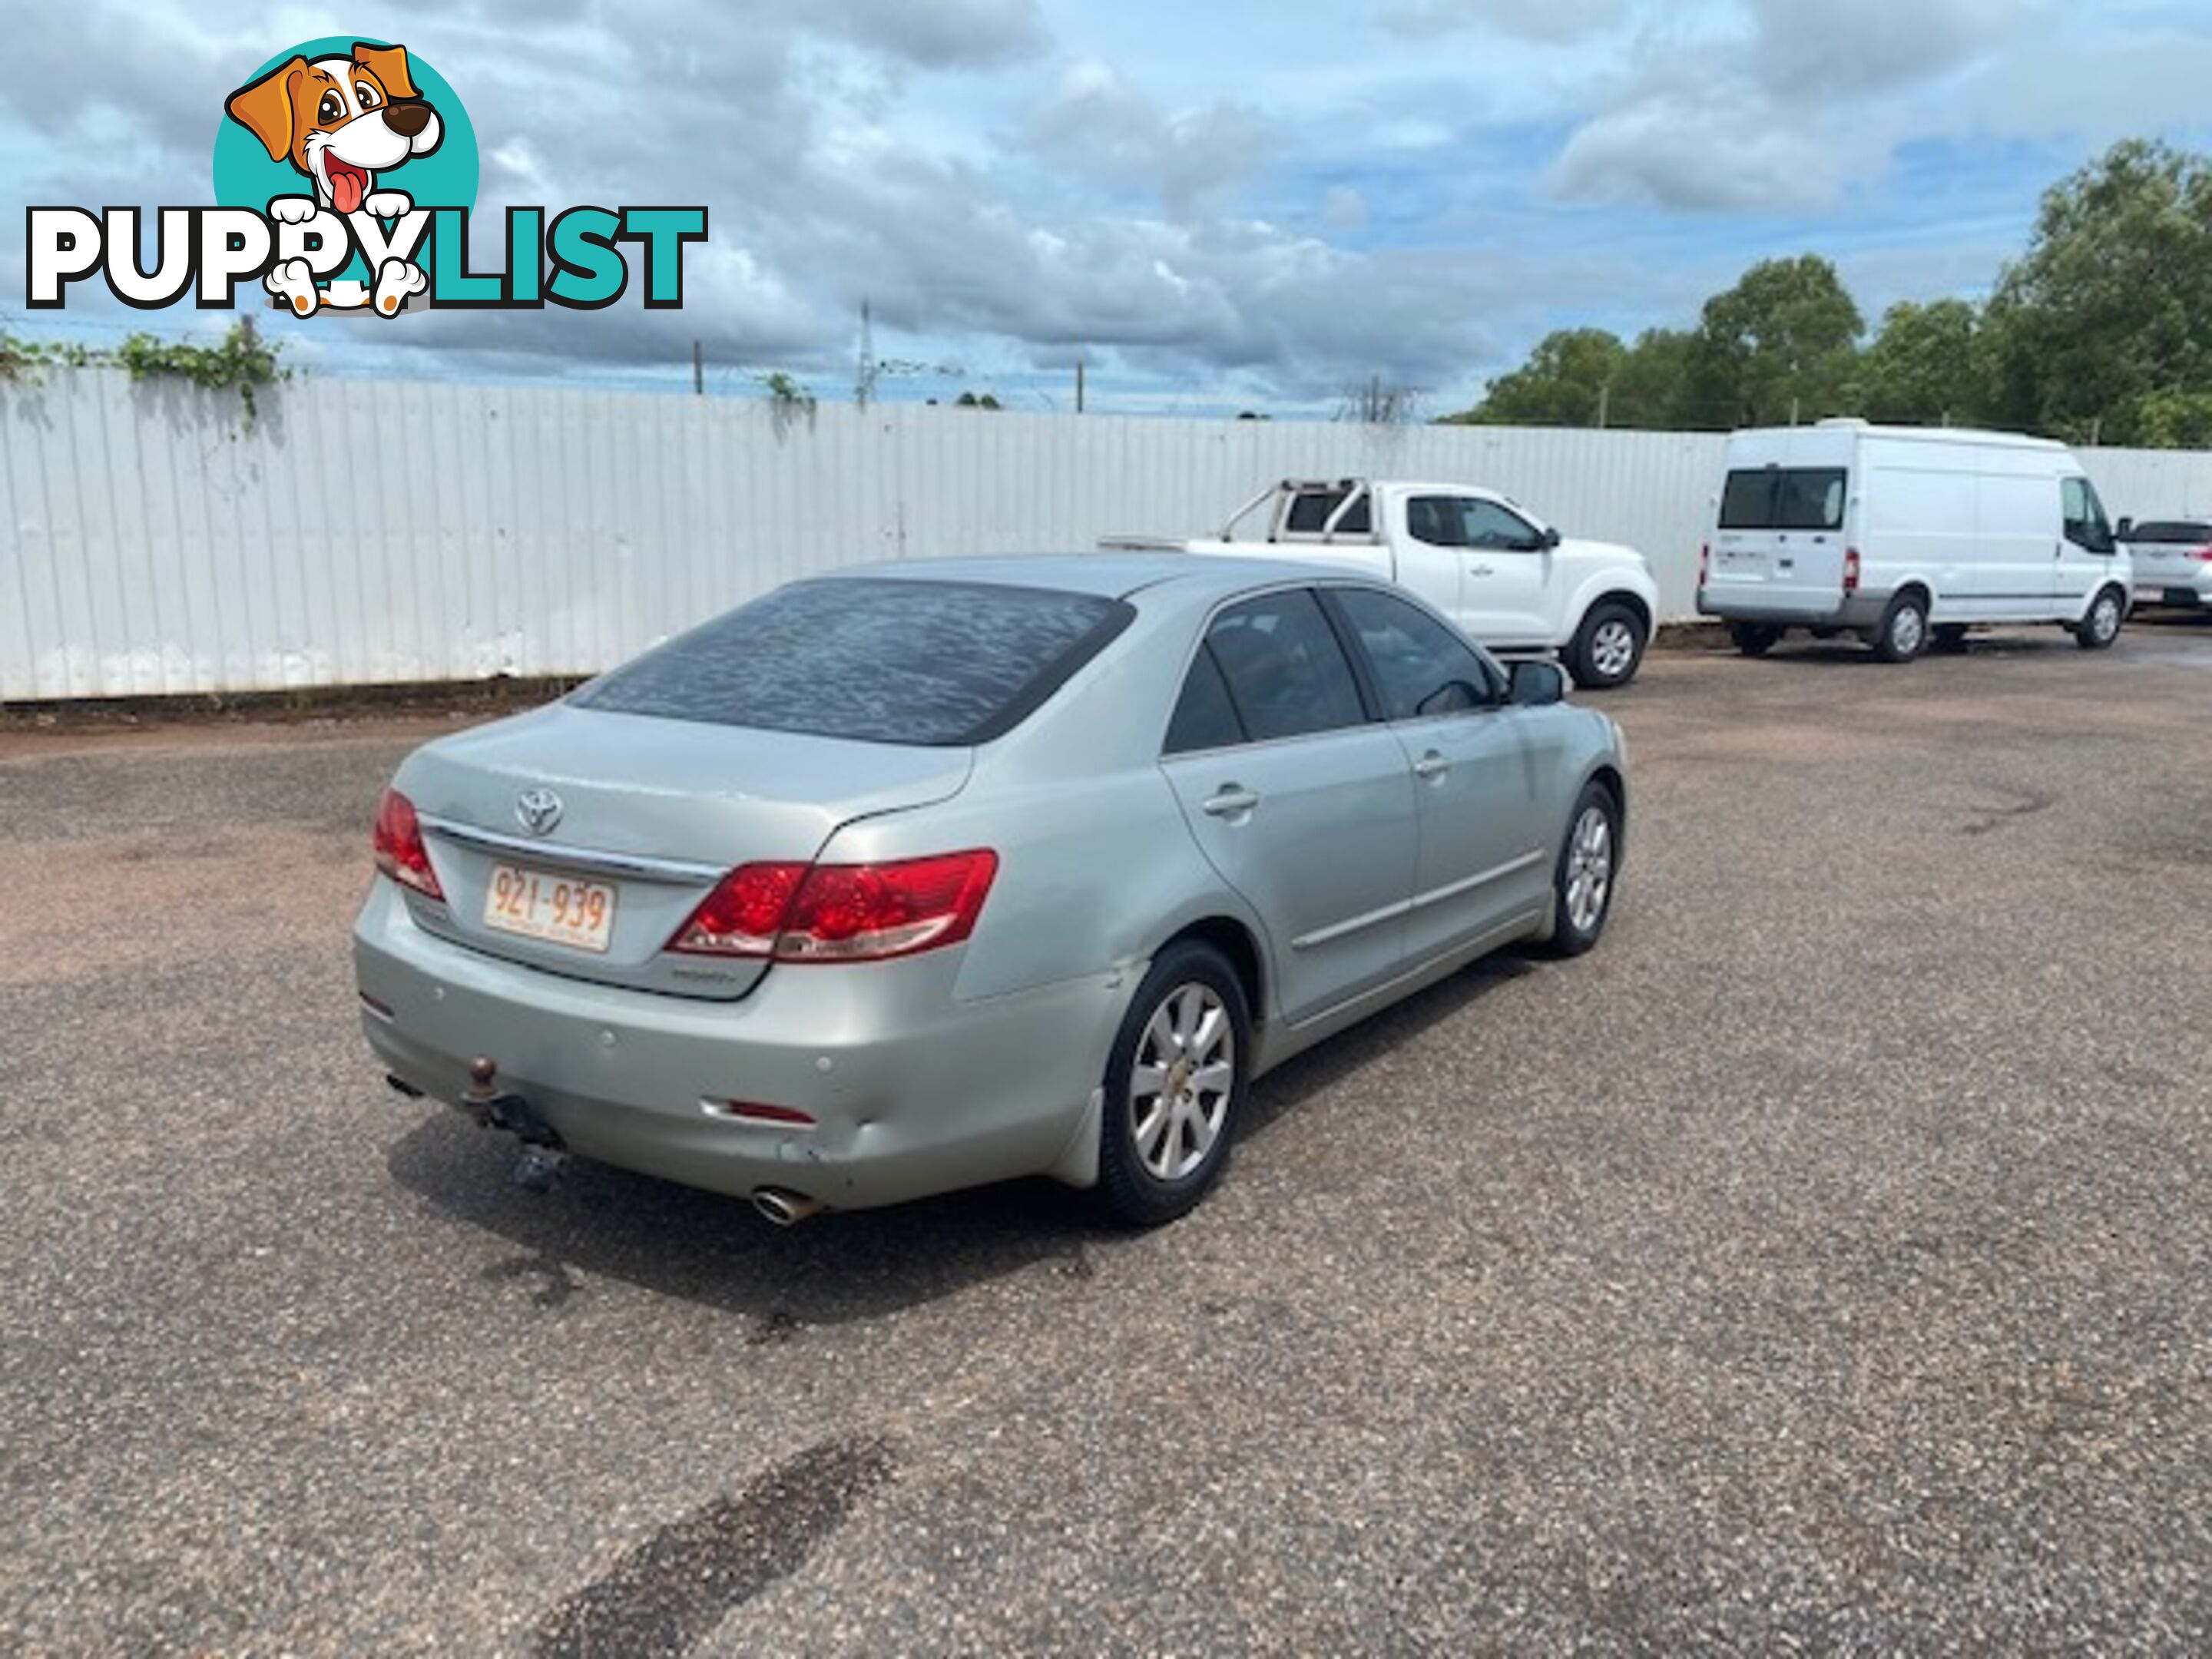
[(785, 1209)]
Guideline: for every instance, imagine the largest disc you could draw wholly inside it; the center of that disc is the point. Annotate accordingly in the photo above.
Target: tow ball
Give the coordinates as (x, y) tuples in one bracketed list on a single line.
[(544, 1157)]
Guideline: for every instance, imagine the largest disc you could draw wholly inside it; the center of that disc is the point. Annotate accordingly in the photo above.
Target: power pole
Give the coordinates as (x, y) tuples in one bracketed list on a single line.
[(1078, 386), (698, 370), (864, 381), (1604, 403)]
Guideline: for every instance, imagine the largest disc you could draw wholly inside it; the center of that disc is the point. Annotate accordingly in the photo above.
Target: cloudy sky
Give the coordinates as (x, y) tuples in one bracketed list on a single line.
[(1217, 204)]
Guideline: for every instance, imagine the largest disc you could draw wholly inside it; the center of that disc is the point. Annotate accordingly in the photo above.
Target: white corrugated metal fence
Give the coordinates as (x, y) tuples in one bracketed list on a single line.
[(367, 531)]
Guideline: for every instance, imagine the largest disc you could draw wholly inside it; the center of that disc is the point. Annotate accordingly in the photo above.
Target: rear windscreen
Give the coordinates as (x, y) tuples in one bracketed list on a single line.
[(918, 663), (1310, 511), (1785, 498), (2179, 532)]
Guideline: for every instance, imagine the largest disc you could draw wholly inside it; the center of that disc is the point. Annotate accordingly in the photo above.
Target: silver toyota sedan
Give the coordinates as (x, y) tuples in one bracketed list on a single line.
[(917, 877)]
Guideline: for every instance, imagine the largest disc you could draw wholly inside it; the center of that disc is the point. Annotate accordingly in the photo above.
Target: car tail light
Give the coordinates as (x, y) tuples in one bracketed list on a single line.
[(841, 912), (2203, 553), (741, 916), (398, 841), (1850, 570), (1705, 562), (865, 912)]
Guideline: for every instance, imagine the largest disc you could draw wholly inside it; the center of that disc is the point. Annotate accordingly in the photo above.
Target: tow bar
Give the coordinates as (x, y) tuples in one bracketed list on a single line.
[(544, 1157)]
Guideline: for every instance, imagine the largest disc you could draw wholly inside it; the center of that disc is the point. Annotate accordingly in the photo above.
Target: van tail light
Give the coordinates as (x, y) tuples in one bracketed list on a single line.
[(841, 912), (398, 843), (1850, 570), (1705, 562), (2203, 553)]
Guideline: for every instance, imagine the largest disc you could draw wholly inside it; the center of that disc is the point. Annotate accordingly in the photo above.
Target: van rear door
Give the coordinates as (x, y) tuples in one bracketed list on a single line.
[(1779, 544)]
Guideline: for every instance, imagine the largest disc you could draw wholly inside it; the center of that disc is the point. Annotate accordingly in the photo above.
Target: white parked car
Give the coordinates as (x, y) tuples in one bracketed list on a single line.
[(1905, 536), (1509, 579), (2173, 561)]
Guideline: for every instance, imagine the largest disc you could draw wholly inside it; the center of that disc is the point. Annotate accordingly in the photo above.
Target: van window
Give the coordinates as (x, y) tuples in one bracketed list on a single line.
[(1785, 498), (2086, 526)]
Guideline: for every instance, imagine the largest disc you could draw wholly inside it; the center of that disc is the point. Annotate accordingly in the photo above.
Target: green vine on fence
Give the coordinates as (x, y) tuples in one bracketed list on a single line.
[(241, 359)]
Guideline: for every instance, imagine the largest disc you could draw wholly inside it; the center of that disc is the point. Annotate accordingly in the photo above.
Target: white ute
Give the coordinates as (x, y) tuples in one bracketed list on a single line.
[(1510, 581)]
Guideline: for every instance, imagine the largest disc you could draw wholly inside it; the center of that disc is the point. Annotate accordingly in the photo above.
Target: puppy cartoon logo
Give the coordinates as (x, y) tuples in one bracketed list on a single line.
[(340, 121), (345, 172)]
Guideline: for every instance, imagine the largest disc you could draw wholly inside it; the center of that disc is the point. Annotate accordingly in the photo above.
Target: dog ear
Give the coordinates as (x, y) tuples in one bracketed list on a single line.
[(264, 108), (389, 65)]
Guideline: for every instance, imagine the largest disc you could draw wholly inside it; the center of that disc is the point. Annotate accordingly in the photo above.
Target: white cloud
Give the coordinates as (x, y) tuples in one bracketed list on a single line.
[(1098, 126), (1552, 21), (1170, 189)]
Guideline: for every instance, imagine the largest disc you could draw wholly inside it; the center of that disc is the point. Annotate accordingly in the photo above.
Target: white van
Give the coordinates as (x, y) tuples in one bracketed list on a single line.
[(1905, 535)]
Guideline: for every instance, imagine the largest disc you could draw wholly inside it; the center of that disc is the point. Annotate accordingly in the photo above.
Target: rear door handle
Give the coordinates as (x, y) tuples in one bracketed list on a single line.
[(1432, 765), (1233, 801)]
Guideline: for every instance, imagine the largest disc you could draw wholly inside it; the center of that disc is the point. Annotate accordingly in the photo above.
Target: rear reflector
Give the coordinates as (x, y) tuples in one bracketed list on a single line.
[(754, 1111), (841, 912), (1850, 570), (397, 842)]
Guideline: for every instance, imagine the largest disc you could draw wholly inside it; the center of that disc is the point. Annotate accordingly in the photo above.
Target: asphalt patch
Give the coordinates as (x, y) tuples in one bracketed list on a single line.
[(664, 1597)]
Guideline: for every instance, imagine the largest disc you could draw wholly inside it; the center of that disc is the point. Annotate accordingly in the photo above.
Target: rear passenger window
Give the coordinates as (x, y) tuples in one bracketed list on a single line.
[(1204, 717), (1285, 671)]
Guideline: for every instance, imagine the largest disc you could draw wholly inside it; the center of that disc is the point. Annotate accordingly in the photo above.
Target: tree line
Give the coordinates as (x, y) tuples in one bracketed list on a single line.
[(2100, 332)]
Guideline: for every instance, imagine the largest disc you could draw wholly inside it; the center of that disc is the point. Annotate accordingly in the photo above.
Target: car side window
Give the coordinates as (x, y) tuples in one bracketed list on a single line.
[(1285, 671), (1488, 526), (1204, 718), (1437, 520), (2085, 525), (1422, 667)]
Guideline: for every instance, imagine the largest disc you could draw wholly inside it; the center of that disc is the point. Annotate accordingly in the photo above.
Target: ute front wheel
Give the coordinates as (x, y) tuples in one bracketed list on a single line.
[(1607, 648)]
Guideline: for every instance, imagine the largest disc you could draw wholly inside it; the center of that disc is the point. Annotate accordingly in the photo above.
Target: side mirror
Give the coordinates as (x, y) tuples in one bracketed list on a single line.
[(1551, 537), (2127, 528), (1536, 684)]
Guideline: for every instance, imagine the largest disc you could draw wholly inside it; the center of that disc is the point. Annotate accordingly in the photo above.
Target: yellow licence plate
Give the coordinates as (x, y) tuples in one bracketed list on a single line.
[(558, 909)]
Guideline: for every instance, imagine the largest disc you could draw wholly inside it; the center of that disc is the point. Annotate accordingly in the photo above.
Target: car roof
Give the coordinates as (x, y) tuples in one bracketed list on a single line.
[(1108, 574)]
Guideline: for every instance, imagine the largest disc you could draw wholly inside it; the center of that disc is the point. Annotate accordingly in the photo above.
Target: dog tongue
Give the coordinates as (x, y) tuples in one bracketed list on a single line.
[(345, 189)]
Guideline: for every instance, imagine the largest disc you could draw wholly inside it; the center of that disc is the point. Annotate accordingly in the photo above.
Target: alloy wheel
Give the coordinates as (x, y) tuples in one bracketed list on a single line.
[(1181, 1084), (1589, 868)]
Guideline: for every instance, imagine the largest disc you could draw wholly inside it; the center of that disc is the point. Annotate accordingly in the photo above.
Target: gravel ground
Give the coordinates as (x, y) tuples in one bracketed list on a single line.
[(1822, 1264)]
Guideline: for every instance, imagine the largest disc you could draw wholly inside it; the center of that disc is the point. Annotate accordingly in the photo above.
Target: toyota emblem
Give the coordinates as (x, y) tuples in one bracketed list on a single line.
[(538, 810)]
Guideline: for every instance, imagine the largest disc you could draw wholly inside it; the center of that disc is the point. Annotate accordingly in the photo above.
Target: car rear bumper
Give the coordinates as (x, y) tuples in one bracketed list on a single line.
[(912, 1091), (2192, 596)]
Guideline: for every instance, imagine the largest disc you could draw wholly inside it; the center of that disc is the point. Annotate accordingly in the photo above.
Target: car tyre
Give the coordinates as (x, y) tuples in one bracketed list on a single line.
[(1589, 867), (1902, 634), (1174, 1082), (1754, 639), (1608, 648), (2098, 629)]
